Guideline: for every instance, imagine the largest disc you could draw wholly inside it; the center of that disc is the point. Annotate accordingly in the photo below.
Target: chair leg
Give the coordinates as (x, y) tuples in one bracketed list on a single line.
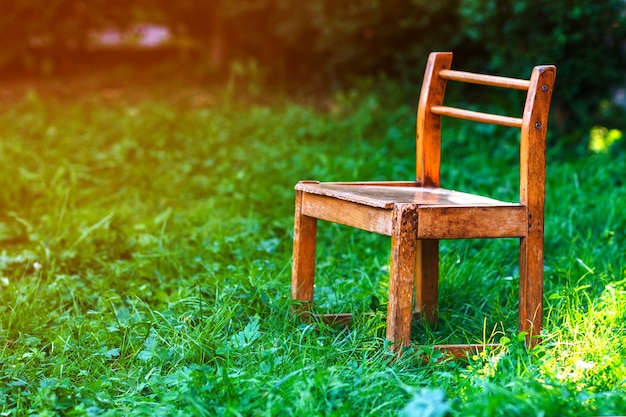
[(427, 279), (402, 275), (531, 287), (303, 262)]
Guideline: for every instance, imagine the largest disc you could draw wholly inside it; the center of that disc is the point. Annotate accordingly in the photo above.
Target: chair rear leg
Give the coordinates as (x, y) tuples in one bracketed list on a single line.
[(427, 279), (531, 287), (303, 262), (402, 275)]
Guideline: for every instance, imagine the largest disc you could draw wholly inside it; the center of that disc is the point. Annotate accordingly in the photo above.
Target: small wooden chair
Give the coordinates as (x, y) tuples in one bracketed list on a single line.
[(419, 213)]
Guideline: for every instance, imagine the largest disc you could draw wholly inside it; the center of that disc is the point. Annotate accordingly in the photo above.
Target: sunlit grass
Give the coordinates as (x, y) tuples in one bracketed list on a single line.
[(145, 263)]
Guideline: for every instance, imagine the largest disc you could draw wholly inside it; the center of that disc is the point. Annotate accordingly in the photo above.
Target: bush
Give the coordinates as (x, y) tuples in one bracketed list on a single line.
[(585, 40)]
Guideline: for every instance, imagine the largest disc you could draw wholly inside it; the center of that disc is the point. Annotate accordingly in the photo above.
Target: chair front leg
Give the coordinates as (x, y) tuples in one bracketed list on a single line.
[(303, 262), (402, 275)]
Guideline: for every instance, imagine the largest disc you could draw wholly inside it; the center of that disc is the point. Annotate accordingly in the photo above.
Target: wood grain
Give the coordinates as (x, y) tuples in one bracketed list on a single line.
[(491, 80), (428, 129), (449, 222), (387, 196), (477, 116), (427, 279), (303, 260), (336, 210), (532, 194), (401, 275), (462, 351)]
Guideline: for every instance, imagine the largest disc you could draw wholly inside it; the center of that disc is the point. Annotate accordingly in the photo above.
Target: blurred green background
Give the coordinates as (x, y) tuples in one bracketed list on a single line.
[(327, 44)]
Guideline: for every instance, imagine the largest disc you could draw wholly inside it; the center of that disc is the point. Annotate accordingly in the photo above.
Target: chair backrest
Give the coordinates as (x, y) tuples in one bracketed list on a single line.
[(533, 123)]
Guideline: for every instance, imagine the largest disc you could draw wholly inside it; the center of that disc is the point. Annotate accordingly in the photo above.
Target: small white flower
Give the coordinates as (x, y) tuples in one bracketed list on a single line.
[(584, 365)]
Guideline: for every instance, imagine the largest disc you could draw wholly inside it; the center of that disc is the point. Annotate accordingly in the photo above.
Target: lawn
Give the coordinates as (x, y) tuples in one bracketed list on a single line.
[(145, 245)]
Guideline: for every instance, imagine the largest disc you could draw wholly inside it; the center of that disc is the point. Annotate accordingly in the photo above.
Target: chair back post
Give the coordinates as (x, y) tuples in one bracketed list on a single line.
[(533, 141), (532, 195), (428, 135)]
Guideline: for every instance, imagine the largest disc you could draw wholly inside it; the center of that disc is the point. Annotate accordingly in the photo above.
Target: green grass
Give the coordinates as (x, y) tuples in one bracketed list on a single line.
[(145, 263)]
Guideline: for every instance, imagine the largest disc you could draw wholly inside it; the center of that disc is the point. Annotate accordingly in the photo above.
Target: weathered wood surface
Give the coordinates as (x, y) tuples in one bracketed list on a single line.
[(402, 274), (372, 219), (428, 128), (427, 279), (303, 260), (532, 195), (462, 222), (387, 197), (462, 351), (443, 214)]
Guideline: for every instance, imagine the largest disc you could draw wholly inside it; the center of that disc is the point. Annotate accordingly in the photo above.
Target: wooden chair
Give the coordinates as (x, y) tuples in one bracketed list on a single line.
[(419, 213)]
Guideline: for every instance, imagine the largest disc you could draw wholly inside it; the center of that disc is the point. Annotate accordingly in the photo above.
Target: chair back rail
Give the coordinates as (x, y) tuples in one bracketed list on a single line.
[(477, 116), (483, 79), (532, 124)]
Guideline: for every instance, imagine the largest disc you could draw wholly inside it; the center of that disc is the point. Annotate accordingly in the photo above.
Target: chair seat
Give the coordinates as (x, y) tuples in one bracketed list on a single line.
[(387, 194), (441, 213)]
